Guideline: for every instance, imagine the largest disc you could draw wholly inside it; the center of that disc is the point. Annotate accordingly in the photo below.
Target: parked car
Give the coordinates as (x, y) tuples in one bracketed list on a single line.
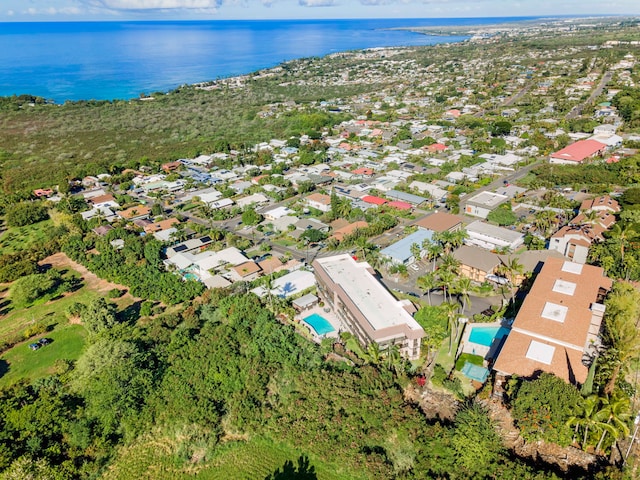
[(34, 346), (44, 341), (415, 267)]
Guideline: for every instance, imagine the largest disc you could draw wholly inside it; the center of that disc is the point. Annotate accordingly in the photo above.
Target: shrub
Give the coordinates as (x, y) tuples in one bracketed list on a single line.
[(115, 293), (439, 375), (37, 329)]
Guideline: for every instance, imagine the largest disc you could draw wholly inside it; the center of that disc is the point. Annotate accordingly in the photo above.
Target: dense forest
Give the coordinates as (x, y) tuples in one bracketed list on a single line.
[(222, 373)]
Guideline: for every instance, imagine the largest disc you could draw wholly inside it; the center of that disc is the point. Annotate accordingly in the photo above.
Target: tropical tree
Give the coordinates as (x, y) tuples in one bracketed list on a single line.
[(434, 250), (615, 414), (462, 287), (427, 282), (586, 418), (451, 311), (445, 280), (621, 334), (416, 251)]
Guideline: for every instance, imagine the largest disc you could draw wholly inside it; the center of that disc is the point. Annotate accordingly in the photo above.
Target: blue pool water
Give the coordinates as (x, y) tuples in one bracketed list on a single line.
[(486, 335), (319, 324), (190, 276)]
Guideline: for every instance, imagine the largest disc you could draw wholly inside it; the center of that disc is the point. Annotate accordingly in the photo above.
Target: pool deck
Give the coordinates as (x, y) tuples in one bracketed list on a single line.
[(328, 316), (475, 348)]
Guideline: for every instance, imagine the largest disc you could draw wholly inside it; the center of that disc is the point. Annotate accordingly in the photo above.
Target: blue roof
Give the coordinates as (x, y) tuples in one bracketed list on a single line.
[(400, 251), (475, 372)]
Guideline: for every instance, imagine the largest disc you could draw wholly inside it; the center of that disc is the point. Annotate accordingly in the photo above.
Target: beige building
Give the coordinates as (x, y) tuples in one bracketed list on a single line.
[(365, 307), (557, 329)]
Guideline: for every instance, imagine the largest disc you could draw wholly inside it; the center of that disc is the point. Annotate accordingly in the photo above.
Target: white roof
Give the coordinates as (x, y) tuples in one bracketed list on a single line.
[(373, 300), (209, 260), (293, 283), (555, 312), (540, 352), (165, 235)]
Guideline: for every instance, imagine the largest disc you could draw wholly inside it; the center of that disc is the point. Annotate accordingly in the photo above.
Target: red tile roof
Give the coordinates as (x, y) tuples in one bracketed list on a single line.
[(579, 151), (373, 200)]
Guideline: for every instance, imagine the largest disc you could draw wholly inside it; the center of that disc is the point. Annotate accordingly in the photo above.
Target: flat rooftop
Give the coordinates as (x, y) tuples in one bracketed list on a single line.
[(375, 302), (488, 199)]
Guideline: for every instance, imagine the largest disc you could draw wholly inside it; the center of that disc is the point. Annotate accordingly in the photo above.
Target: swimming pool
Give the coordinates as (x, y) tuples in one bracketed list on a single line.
[(486, 335), (319, 324), (190, 276)]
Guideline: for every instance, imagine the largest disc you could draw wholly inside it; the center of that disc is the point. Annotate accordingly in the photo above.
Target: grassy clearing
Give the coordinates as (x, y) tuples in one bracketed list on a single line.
[(24, 363), (16, 239), (52, 313), (255, 459)]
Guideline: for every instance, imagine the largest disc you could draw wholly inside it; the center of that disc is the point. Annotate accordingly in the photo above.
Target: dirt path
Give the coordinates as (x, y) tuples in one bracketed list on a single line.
[(91, 280)]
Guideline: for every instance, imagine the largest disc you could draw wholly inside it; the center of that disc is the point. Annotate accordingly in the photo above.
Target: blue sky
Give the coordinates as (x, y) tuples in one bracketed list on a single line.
[(70, 10)]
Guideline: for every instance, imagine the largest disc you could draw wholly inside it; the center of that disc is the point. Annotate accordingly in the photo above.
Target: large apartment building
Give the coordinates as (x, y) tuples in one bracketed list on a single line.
[(365, 307), (557, 329)]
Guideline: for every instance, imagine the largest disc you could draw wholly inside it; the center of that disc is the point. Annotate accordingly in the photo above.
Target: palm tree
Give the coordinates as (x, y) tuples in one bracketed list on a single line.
[(585, 417), (446, 278), (449, 263), (394, 360), (427, 282), (434, 250), (544, 220), (365, 246), (511, 267), (616, 412), (415, 251), (623, 235), (452, 322), (463, 287)]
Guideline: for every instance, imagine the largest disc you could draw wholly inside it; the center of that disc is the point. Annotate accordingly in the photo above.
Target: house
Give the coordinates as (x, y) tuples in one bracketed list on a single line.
[(414, 200), (293, 283), (319, 201), (578, 152), (104, 201), (440, 222), (348, 229), (311, 223), (161, 225), (399, 253), (105, 213), (483, 203), (436, 192), (397, 204), (574, 241), (476, 263), (246, 272), (255, 199), (282, 224), (365, 307), (601, 203), (557, 329), (195, 244), (43, 192), (139, 211), (171, 166), (491, 237), (277, 213), (373, 200)]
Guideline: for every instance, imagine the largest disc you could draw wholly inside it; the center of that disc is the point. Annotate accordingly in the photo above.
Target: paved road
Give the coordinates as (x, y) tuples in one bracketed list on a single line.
[(578, 109)]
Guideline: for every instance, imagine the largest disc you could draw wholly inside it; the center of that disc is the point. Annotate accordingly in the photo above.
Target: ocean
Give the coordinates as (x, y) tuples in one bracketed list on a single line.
[(120, 60)]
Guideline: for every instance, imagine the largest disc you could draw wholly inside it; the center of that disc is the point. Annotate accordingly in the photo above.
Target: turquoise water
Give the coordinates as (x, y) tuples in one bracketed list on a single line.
[(319, 324), (486, 335), (190, 276)]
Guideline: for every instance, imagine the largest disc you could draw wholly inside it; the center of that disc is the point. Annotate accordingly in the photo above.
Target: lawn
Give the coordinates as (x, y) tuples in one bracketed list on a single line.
[(52, 313), (16, 239), (24, 363), (255, 459)]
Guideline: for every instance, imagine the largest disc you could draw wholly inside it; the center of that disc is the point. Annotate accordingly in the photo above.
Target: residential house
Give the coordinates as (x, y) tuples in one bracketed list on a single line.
[(476, 263), (365, 307), (399, 253), (139, 211), (492, 237), (578, 152), (483, 203), (319, 201), (557, 329), (348, 229), (574, 241), (440, 222)]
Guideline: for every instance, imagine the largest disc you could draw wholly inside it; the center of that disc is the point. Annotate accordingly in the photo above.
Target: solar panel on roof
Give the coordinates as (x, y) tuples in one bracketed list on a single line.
[(179, 248), (205, 239)]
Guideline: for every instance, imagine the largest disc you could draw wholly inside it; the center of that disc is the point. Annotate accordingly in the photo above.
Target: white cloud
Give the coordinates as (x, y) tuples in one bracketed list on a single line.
[(202, 5), (50, 11), (317, 3)]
